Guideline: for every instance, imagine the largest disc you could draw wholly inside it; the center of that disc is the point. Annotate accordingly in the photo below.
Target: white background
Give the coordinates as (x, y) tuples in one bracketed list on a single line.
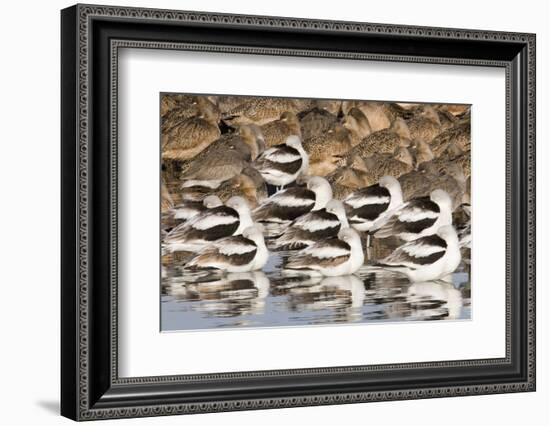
[(29, 230), (141, 345)]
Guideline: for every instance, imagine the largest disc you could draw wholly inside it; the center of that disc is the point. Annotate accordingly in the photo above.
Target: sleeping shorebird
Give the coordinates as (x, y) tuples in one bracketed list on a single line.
[(188, 209), (372, 169), (326, 150), (189, 137), (223, 159), (425, 125), (285, 206), (226, 103), (376, 113), (459, 135), (427, 258), (344, 181), (368, 208), (259, 111), (313, 227), (249, 184), (357, 124), (315, 122), (422, 152), (238, 253), (341, 255), (384, 141), (446, 176), (175, 109), (282, 164), (209, 226), (276, 132), (418, 217)]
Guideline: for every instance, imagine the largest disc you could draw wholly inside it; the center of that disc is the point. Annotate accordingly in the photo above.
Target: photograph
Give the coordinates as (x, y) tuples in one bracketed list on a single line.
[(272, 208), (297, 212)]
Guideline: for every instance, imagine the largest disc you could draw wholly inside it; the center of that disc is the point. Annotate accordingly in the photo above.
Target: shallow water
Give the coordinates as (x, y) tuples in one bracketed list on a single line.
[(268, 298)]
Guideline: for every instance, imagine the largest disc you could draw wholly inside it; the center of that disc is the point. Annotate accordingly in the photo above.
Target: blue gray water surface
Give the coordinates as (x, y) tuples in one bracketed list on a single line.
[(269, 298)]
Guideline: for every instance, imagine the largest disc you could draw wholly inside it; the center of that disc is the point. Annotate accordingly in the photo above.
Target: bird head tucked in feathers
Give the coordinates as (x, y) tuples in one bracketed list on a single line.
[(252, 136)]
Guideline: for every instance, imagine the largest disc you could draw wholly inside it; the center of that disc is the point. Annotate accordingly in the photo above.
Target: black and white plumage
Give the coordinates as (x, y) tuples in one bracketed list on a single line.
[(185, 211), (341, 255), (282, 164), (313, 227), (418, 217), (369, 208), (188, 209), (427, 258), (238, 253), (209, 226), (289, 204)]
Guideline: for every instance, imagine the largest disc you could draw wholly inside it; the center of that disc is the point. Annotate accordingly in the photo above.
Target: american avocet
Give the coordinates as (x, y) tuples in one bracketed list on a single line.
[(285, 206), (188, 209), (238, 253), (313, 227), (282, 164), (369, 208), (209, 226), (418, 217), (341, 255), (428, 258)]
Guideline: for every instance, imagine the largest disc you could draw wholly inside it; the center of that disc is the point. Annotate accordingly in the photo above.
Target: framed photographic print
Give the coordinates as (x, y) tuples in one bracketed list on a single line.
[(263, 212)]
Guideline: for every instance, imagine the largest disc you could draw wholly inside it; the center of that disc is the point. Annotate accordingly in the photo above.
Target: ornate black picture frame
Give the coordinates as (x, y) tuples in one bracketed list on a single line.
[(91, 36)]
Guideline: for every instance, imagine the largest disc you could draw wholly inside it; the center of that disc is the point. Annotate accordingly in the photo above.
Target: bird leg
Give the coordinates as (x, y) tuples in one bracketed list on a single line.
[(367, 246)]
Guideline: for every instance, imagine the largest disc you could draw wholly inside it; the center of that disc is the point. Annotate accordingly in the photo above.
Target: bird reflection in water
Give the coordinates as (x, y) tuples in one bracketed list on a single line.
[(223, 296), (208, 300)]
